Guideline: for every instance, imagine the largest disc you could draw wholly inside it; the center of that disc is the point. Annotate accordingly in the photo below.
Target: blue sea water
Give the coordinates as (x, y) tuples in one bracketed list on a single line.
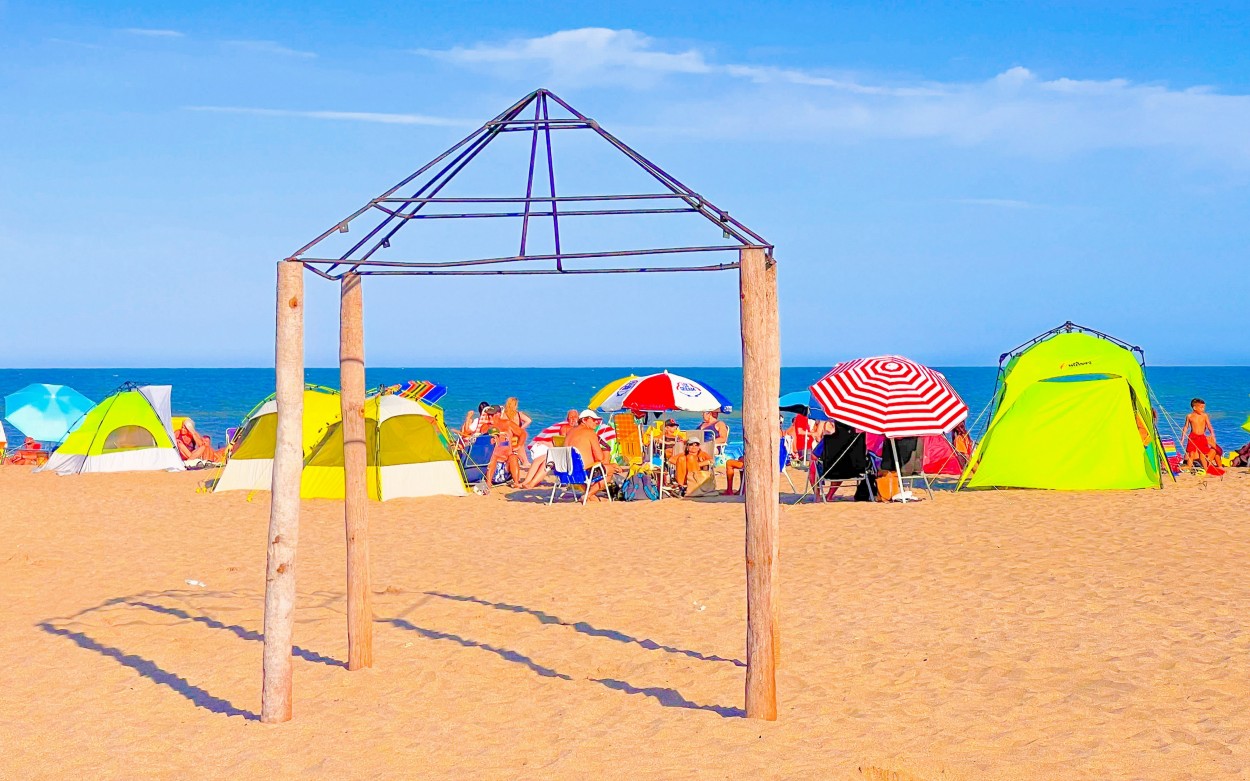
[(219, 398)]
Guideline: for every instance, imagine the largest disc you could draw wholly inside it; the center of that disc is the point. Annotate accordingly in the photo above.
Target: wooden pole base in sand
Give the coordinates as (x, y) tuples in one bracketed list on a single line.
[(761, 389), (288, 464), (355, 464)]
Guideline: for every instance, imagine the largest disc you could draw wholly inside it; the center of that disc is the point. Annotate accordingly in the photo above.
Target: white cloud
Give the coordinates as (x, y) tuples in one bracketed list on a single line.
[(590, 55), (149, 32), (1015, 110), (344, 116), (268, 47)]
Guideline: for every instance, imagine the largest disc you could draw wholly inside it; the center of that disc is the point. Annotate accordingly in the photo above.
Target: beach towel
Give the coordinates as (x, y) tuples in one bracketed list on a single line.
[(561, 459)]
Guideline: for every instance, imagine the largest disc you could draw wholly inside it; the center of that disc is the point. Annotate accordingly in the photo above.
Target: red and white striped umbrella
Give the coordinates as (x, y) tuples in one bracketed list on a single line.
[(890, 395)]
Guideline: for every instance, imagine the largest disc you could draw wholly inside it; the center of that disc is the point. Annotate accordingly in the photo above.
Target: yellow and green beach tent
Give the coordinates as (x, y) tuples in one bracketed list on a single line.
[(129, 431), (408, 447), (1071, 412), (409, 455), (249, 466)]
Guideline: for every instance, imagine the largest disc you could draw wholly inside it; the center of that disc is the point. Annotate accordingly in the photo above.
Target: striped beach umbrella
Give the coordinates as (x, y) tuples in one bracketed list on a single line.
[(607, 434), (890, 395), (665, 392), (607, 390)]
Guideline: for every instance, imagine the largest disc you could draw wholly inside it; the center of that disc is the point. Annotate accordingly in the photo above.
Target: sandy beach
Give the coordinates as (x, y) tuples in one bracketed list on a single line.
[(992, 635)]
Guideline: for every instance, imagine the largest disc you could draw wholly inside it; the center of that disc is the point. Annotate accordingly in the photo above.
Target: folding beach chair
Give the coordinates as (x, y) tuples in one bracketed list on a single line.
[(783, 460), (577, 476), (843, 457), (475, 458)]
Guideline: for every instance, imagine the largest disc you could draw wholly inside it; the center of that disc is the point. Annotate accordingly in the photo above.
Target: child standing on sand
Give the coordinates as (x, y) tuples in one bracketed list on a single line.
[(1197, 444)]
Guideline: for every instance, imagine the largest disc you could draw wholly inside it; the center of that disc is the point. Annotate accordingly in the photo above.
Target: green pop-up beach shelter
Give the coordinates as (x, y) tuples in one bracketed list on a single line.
[(129, 431), (1071, 412)]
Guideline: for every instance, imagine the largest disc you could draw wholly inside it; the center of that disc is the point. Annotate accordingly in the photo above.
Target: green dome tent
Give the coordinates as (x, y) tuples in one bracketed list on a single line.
[(129, 431), (1071, 412)]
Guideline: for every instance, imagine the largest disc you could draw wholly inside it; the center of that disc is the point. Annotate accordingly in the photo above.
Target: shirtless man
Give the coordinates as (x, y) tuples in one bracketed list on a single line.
[(584, 438), (1197, 444)]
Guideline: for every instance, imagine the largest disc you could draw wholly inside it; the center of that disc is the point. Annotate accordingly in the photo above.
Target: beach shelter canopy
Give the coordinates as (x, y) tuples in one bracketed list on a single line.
[(890, 395), (408, 455), (1071, 412), (128, 431), (46, 412), (938, 455), (665, 392)]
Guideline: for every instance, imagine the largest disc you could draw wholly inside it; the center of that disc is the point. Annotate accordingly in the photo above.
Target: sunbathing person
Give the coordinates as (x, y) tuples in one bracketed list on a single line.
[(584, 438), (194, 446), (711, 420), (516, 420), (691, 465)]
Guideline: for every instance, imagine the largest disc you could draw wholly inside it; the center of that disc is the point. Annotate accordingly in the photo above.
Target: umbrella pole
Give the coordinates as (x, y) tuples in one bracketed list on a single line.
[(761, 391), (898, 469), (288, 463)]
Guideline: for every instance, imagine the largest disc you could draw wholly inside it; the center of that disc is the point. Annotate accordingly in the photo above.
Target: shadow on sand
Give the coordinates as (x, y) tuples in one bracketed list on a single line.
[(586, 629), (150, 670), (669, 698), (63, 627)]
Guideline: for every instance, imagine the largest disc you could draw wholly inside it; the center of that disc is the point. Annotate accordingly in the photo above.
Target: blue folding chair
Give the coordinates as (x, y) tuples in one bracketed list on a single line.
[(579, 477), (475, 458)]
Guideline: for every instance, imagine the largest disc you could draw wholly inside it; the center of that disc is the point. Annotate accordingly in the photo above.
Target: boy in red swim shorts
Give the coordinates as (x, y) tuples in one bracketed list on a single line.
[(1199, 447)]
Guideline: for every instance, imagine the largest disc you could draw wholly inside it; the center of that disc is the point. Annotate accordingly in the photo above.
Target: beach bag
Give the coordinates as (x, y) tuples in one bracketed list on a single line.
[(640, 487), (887, 486)]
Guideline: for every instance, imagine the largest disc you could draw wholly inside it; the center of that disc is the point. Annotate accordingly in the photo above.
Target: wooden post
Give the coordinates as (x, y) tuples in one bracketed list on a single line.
[(288, 464), (355, 481), (761, 389)]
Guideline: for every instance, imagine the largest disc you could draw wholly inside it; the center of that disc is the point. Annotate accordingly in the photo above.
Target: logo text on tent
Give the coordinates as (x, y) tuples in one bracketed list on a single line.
[(1075, 364)]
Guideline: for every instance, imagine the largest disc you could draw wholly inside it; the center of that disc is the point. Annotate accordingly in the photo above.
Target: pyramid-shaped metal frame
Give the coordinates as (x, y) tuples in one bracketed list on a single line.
[(398, 211)]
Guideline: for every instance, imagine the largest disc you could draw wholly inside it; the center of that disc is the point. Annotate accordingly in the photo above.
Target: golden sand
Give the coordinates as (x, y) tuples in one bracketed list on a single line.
[(977, 636)]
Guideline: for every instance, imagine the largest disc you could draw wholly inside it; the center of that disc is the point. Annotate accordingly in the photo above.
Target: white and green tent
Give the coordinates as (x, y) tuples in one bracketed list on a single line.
[(127, 432)]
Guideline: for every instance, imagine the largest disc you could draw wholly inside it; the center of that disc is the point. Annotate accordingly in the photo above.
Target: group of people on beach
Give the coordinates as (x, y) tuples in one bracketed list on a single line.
[(527, 466)]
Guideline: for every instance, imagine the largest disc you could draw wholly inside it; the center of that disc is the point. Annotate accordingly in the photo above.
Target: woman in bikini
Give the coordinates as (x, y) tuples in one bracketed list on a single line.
[(517, 422)]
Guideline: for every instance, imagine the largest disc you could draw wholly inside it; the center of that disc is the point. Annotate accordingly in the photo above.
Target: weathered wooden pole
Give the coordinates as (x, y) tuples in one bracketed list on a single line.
[(761, 389), (288, 464), (355, 465)]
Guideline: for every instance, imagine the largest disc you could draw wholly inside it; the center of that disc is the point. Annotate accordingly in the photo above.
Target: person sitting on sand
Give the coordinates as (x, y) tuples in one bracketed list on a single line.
[(538, 452), (691, 465), (584, 438), (1199, 448), (193, 446), (503, 453)]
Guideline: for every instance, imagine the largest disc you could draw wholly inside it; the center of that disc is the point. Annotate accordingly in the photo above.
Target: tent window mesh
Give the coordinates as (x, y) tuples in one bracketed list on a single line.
[(129, 438)]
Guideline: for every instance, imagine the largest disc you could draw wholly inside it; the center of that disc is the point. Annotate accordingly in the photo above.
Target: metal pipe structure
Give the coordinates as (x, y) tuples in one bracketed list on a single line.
[(432, 178)]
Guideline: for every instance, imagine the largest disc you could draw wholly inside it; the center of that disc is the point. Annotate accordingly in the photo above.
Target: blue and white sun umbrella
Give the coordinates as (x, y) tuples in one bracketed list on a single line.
[(47, 413)]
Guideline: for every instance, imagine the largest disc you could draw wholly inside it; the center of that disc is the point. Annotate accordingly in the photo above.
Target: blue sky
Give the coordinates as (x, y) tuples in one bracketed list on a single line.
[(942, 182)]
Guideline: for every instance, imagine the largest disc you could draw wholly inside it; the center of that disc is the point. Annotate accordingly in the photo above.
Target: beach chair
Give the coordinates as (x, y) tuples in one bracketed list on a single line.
[(629, 441), (783, 461), (571, 473), (842, 457), (475, 458)]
